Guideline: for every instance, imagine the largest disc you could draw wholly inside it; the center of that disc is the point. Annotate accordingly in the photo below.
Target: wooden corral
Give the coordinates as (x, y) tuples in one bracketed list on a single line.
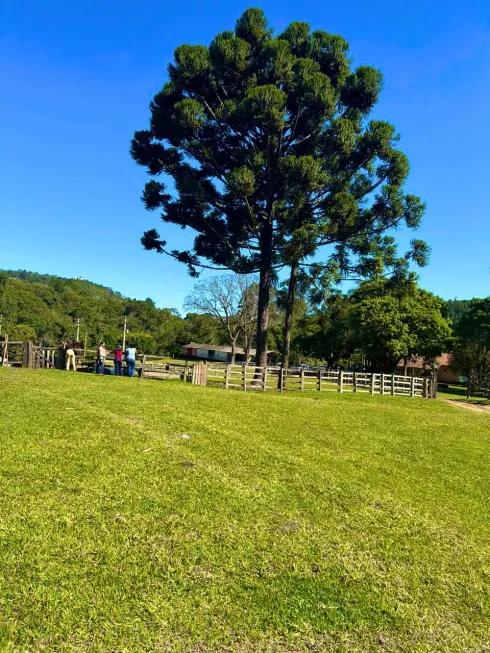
[(252, 378)]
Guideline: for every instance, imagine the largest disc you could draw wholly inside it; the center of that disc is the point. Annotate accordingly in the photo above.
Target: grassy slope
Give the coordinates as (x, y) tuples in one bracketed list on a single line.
[(285, 523)]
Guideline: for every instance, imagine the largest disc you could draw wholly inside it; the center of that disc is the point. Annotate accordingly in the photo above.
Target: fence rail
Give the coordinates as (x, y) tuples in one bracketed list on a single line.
[(252, 378)]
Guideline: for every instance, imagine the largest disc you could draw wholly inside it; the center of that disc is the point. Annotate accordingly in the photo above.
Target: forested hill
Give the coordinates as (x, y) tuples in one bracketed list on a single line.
[(456, 308), (45, 308)]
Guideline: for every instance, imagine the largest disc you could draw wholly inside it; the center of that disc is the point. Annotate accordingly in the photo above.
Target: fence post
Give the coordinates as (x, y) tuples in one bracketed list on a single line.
[(265, 378), (27, 362), (426, 388), (412, 386), (204, 375), (283, 373), (227, 377), (341, 381), (382, 383), (319, 380), (302, 379), (244, 377), (373, 383), (393, 384), (143, 366), (354, 381)]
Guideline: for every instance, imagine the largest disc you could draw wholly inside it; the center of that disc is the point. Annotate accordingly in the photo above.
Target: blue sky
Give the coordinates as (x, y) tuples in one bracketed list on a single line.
[(76, 80)]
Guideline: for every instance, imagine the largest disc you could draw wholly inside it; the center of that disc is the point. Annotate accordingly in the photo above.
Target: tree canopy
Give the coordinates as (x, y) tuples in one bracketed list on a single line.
[(272, 155), (385, 321), (456, 308), (472, 349)]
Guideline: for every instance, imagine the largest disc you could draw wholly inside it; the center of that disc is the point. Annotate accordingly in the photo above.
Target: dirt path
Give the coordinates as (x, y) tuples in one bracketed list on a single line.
[(467, 405)]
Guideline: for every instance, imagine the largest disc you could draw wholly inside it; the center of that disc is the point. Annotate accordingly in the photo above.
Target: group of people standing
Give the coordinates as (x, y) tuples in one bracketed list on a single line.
[(129, 356)]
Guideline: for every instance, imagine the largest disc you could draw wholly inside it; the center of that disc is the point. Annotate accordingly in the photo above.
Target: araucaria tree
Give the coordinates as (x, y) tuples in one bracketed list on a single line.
[(270, 150)]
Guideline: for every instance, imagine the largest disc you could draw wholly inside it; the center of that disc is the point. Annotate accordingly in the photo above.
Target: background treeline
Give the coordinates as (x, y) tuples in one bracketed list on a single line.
[(376, 323), (45, 309)]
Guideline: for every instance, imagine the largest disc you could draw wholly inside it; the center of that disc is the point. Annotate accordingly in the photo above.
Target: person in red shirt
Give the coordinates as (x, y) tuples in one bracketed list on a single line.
[(118, 355)]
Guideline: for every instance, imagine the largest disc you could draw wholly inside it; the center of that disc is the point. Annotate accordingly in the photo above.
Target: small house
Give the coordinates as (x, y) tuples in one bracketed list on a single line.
[(445, 373), (217, 353)]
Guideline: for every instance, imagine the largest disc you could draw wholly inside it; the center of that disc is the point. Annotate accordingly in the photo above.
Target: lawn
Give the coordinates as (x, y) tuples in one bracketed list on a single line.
[(140, 515), (458, 393)]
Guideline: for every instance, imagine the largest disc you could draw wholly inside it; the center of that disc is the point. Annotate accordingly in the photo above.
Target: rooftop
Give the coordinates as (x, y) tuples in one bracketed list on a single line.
[(418, 362), (224, 348)]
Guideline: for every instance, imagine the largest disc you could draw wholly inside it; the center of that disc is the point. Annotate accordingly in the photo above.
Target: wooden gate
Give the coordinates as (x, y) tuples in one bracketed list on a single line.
[(38, 357)]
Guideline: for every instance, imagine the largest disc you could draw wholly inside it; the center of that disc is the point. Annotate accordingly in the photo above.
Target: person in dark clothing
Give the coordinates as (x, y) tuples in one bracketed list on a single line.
[(118, 356)]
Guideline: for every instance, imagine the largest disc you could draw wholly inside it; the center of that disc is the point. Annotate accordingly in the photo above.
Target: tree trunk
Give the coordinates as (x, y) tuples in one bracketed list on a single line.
[(405, 366), (265, 281), (263, 317), (288, 320), (233, 351), (247, 347)]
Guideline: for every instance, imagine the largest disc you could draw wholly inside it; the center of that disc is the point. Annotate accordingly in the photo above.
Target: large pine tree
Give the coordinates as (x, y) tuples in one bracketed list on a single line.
[(272, 156)]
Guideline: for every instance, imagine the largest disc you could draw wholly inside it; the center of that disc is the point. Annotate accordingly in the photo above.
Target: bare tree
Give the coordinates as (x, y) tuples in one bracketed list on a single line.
[(226, 298)]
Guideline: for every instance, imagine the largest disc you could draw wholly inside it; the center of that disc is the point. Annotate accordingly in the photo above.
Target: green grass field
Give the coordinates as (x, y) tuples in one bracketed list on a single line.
[(140, 515)]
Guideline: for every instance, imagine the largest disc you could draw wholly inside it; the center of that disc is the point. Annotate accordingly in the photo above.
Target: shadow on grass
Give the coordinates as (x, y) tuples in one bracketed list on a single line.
[(459, 393)]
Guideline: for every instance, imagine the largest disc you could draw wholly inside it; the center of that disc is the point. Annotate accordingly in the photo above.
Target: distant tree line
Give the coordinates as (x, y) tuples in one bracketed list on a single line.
[(45, 309), (378, 325)]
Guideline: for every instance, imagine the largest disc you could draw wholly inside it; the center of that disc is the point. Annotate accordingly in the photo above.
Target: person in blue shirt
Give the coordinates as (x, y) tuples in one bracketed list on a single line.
[(130, 355)]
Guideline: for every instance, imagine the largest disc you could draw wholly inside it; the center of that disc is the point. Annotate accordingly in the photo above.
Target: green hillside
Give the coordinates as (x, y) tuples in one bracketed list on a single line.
[(159, 516), (455, 308), (45, 308)]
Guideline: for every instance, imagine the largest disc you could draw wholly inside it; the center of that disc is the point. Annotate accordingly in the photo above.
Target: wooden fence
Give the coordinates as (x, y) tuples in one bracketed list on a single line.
[(244, 377), (252, 378), (27, 354)]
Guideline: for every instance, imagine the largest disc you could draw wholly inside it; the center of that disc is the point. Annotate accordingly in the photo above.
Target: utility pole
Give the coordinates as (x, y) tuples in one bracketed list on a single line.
[(124, 334), (78, 329)]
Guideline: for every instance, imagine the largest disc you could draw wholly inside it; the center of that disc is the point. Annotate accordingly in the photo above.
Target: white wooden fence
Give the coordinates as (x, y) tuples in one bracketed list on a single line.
[(252, 378)]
